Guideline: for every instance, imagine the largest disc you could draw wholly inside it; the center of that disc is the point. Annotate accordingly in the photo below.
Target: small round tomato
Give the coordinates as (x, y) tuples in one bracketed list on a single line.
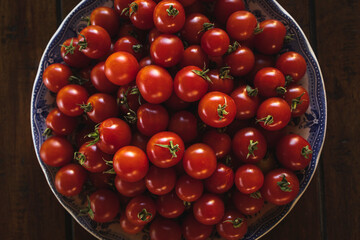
[(224, 8), (215, 42), (298, 99), (160, 181), (261, 61), (189, 189), (92, 158), (131, 45), (273, 114), (240, 61), (71, 54), (248, 178), (247, 204), (292, 65), (153, 34), (247, 102), (170, 206), (70, 98), (141, 13), (70, 179), (151, 119), (194, 56), (232, 226), (146, 61), (56, 76), (164, 229), (209, 209), (167, 50), (174, 103), (99, 79), (129, 189), (184, 124), (219, 142), (193, 230), (100, 107), (140, 210), (56, 152), (94, 42), (130, 163), (281, 186), (104, 205), (221, 80), (241, 25), (217, 109), (106, 18), (294, 152), (155, 84), (271, 37), (120, 5), (270, 82), (199, 161), (249, 145), (193, 28), (221, 181), (121, 68), (59, 123), (129, 98), (129, 227), (169, 16)]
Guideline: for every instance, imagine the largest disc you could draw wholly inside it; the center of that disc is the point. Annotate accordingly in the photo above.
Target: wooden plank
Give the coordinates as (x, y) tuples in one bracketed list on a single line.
[(28, 208)]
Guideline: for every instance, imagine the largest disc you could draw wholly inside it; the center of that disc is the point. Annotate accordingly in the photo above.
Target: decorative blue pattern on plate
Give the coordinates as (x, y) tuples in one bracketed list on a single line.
[(312, 125)]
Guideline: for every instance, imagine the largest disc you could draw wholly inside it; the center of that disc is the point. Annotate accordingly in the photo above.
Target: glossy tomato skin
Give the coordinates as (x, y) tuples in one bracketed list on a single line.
[(217, 109), (167, 50), (192, 31), (170, 206), (268, 80), (101, 106), (56, 152), (92, 158), (294, 152), (121, 68), (270, 40), (146, 61), (129, 227), (167, 21), (209, 209), (193, 230), (69, 99), (153, 34), (104, 205), (120, 5), (106, 18), (194, 56), (246, 104), (233, 225), (131, 45), (56, 76), (130, 164), (271, 190), (241, 61), (221, 180), (71, 54), (70, 179), (100, 81), (151, 119), (298, 99), (261, 61), (242, 142), (248, 178), (199, 161), (215, 42), (160, 181), (184, 124), (59, 123), (276, 108), (164, 229), (247, 204), (221, 82), (129, 189), (189, 189), (241, 25), (155, 84), (135, 210), (95, 42), (224, 8), (219, 142), (141, 13), (292, 65)]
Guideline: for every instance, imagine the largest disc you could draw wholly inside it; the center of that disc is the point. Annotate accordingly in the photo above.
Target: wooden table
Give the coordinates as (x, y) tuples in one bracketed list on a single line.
[(328, 210)]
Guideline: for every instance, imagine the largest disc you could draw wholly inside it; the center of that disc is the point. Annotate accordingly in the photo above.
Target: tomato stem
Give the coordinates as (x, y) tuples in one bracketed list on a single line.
[(203, 74), (232, 48), (266, 120), (80, 157), (83, 43), (144, 215), (87, 20), (172, 12), (88, 209), (296, 101), (95, 135), (77, 80), (187, 204), (237, 222), (256, 195), (86, 107), (305, 152), (125, 11), (288, 38), (137, 47), (288, 80), (221, 110), (252, 92), (133, 8), (172, 148), (252, 147), (135, 91), (225, 73), (69, 49), (257, 29), (281, 90), (206, 27), (47, 132), (284, 184)]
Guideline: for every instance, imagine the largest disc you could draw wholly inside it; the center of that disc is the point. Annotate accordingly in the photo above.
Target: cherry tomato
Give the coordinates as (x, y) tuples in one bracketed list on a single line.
[(193, 230), (120, 5), (151, 119), (221, 80), (174, 103), (193, 28), (129, 227), (219, 142), (224, 8), (248, 178), (99, 79), (241, 25), (94, 42), (241, 61), (217, 109), (170, 206), (56, 76), (261, 61), (129, 98), (71, 54), (298, 99), (100, 107), (221, 181), (184, 124), (194, 56), (270, 82), (70, 179), (164, 229), (248, 204), (294, 152), (69, 99), (160, 181), (130, 164), (106, 18), (153, 34), (281, 186), (121, 68), (169, 16), (271, 37), (167, 50), (273, 114), (155, 84), (140, 210), (141, 13), (129, 189), (131, 45), (215, 42), (59, 123), (92, 158), (249, 145), (232, 226), (292, 65), (104, 205), (189, 189), (56, 152), (247, 102), (209, 209), (146, 61)]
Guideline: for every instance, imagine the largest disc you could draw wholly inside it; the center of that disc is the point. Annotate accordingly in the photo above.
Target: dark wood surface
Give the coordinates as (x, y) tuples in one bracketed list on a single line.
[(330, 207)]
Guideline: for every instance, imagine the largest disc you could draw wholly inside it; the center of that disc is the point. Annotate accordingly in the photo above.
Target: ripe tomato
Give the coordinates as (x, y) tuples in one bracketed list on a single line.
[(151, 119), (224, 8), (217, 109), (106, 18), (100, 107), (129, 227), (219, 142), (130, 164), (199, 161), (273, 114), (298, 99), (121, 68), (153, 34), (174, 103), (120, 5), (160, 181), (247, 102), (56, 152), (155, 84), (164, 229), (270, 82), (194, 56), (59, 123), (70, 98), (292, 65), (241, 25), (232, 226), (247, 204), (99, 79), (221, 181), (281, 186), (92, 158), (294, 152), (193, 230), (215, 42), (193, 28), (209, 209), (56, 76), (131, 45), (184, 124), (129, 98), (94, 42), (141, 13), (248, 178), (240, 61), (261, 61), (140, 210), (271, 37), (167, 50), (70, 179), (169, 205), (189, 189), (221, 80), (71, 54), (169, 16), (146, 61), (104, 205), (249, 145), (129, 189)]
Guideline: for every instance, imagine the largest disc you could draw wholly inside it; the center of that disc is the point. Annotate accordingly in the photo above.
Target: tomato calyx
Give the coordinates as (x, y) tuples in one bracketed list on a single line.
[(256, 195), (288, 38), (172, 12), (133, 8), (269, 119), (86, 107), (281, 90), (69, 49), (284, 184), (203, 74), (257, 29), (47, 132), (237, 222), (131, 116), (252, 147), (252, 92), (110, 164), (305, 152), (144, 215), (95, 135), (172, 148), (221, 110), (130, 91), (225, 73), (228, 161), (187, 204), (87, 20), (83, 43), (207, 26), (88, 209), (296, 101), (77, 80), (80, 157), (137, 48), (288, 80), (232, 48)]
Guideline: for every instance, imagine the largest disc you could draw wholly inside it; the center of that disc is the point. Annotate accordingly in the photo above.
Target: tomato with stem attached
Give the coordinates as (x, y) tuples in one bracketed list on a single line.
[(240, 60), (71, 54), (141, 13), (129, 227), (273, 114), (269, 40), (92, 158), (232, 226), (94, 42), (270, 82), (70, 98), (169, 16), (193, 28), (59, 124), (246, 100), (221, 80), (100, 106), (247, 204), (131, 45), (140, 210), (292, 65), (298, 99)]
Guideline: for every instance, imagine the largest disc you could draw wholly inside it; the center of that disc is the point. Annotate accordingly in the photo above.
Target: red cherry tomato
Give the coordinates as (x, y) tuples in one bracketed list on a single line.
[(184, 124), (170, 206), (261, 61), (221, 181), (70, 98), (219, 142), (241, 61), (129, 98), (151, 119), (247, 102), (232, 226), (56, 76), (94, 42), (141, 13), (298, 99), (248, 178), (140, 210), (167, 50), (59, 123), (71, 54), (169, 16), (270, 82), (129, 189), (120, 5), (92, 158), (106, 18), (104, 205), (189, 189), (221, 80), (129, 227), (194, 56), (292, 65), (164, 229), (56, 152), (153, 34), (160, 181), (193, 28), (100, 107), (215, 42), (209, 209), (241, 25), (146, 61), (273, 114), (70, 179), (271, 37), (193, 230), (131, 45), (224, 8), (248, 204), (99, 79)]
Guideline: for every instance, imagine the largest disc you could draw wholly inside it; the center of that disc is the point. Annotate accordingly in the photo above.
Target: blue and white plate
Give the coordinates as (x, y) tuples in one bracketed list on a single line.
[(312, 125)]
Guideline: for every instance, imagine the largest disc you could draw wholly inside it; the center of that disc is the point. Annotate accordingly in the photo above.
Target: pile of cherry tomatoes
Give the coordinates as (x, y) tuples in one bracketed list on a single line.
[(172, 115)]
